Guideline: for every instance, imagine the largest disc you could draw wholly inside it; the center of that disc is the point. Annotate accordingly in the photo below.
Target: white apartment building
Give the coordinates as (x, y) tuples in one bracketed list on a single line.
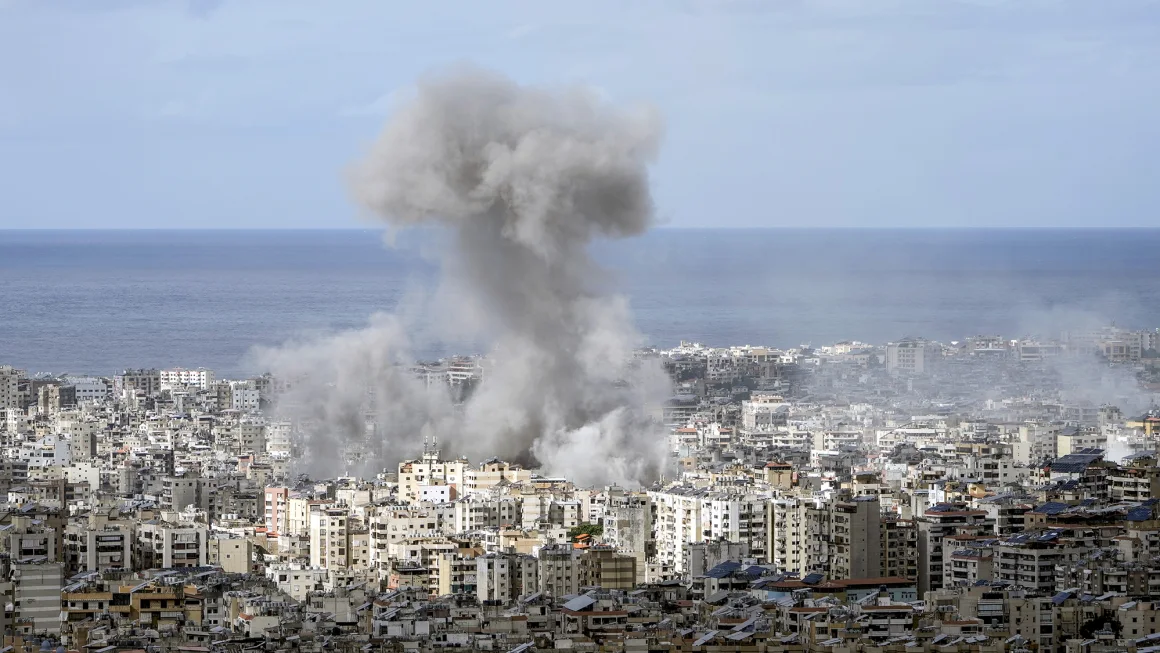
[(763, 413), (89, 388), (178, 377), (278, 442), (107, 547), (678, 524), (414, 475), (244, 397), (740, 519), (51, 450), (480, 512)]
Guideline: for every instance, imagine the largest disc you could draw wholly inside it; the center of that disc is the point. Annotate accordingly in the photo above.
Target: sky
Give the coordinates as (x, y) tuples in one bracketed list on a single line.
[(779, 113)]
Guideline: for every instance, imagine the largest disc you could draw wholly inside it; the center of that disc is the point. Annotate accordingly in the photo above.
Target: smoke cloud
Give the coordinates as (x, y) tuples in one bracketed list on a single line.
[(523, 179)]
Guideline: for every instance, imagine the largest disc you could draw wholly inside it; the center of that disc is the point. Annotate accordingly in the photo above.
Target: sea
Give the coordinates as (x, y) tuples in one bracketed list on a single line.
[(95, 302)]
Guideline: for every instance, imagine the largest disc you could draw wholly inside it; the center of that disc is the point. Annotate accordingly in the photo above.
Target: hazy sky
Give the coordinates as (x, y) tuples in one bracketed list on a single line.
[(244, 113)]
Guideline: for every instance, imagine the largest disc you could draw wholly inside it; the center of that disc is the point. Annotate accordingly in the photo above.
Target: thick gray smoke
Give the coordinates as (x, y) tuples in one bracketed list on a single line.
[(524, 179)]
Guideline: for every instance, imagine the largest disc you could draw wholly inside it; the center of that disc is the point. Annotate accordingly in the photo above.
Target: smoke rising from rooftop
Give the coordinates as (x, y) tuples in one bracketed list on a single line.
[(524, 179)]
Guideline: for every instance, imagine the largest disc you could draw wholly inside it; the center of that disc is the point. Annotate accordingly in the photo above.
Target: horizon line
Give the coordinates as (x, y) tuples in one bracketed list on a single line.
[(657, 228)]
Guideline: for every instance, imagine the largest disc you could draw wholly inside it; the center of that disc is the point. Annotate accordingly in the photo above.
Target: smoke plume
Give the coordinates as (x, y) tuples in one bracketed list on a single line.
[(523, 179)]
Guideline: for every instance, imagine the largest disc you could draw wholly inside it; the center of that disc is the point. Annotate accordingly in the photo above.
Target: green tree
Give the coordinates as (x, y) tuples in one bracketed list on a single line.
[(1093, 626), (593, 530)]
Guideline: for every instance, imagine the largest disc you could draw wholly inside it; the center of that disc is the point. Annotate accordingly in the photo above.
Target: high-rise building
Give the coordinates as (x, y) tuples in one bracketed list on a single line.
[(169, 545), (179, 377), (603, 567), (10, 386), (559, 572), (147, 381), (504, 577), (329, 538), (275, 510), (911, 356), (934, 526), (36, 594)]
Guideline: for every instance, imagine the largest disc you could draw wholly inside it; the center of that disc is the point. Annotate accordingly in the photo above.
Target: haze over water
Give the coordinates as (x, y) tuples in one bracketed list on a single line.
[(98, 301)]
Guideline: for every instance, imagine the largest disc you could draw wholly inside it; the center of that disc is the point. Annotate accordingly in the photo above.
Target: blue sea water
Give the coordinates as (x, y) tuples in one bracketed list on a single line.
[(99, 301)]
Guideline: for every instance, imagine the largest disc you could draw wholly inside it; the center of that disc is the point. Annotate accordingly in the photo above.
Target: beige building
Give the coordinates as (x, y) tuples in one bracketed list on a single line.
[(234, 555), (457, 571), (329, 538), (559, 570), (491, 473), (99, 544), (603, 567), (414, 475)]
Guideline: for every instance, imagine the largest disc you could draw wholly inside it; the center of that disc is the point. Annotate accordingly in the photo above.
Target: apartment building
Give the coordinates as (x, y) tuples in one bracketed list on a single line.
[(147, 381), (168, 545), (275, 502), (911, 356), (503, 577), (934, 525), (178, 377), (10, 378), (603, 567), (329, 538), (36, 594), (559, 573)]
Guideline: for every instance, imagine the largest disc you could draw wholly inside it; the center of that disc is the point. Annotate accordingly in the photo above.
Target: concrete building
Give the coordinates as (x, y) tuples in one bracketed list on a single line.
[(97, 546), (169, 545), (276, 504), (850, 540), (559, 573), (763, 413), (36, 594), (603, 567), (25, 538), (934, 526), (899, 548), (200, 378), (911, 356), (147, 381), (10, 378), (233, 554), (54, 398), (329, 538), (503, 577)]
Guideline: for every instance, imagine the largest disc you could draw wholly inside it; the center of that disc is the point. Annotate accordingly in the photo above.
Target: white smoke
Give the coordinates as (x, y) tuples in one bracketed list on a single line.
[(524, 179)]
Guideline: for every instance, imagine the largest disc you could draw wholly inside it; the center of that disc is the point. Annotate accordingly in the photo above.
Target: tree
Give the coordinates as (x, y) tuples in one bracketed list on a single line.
[(1093, 626), (592, 530)]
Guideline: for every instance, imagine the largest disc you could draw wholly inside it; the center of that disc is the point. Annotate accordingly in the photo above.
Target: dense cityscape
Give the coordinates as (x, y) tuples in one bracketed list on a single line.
[(984, 495)]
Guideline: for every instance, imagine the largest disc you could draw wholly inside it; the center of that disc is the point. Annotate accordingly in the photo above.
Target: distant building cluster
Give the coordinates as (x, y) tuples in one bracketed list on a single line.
[(982, 496)]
